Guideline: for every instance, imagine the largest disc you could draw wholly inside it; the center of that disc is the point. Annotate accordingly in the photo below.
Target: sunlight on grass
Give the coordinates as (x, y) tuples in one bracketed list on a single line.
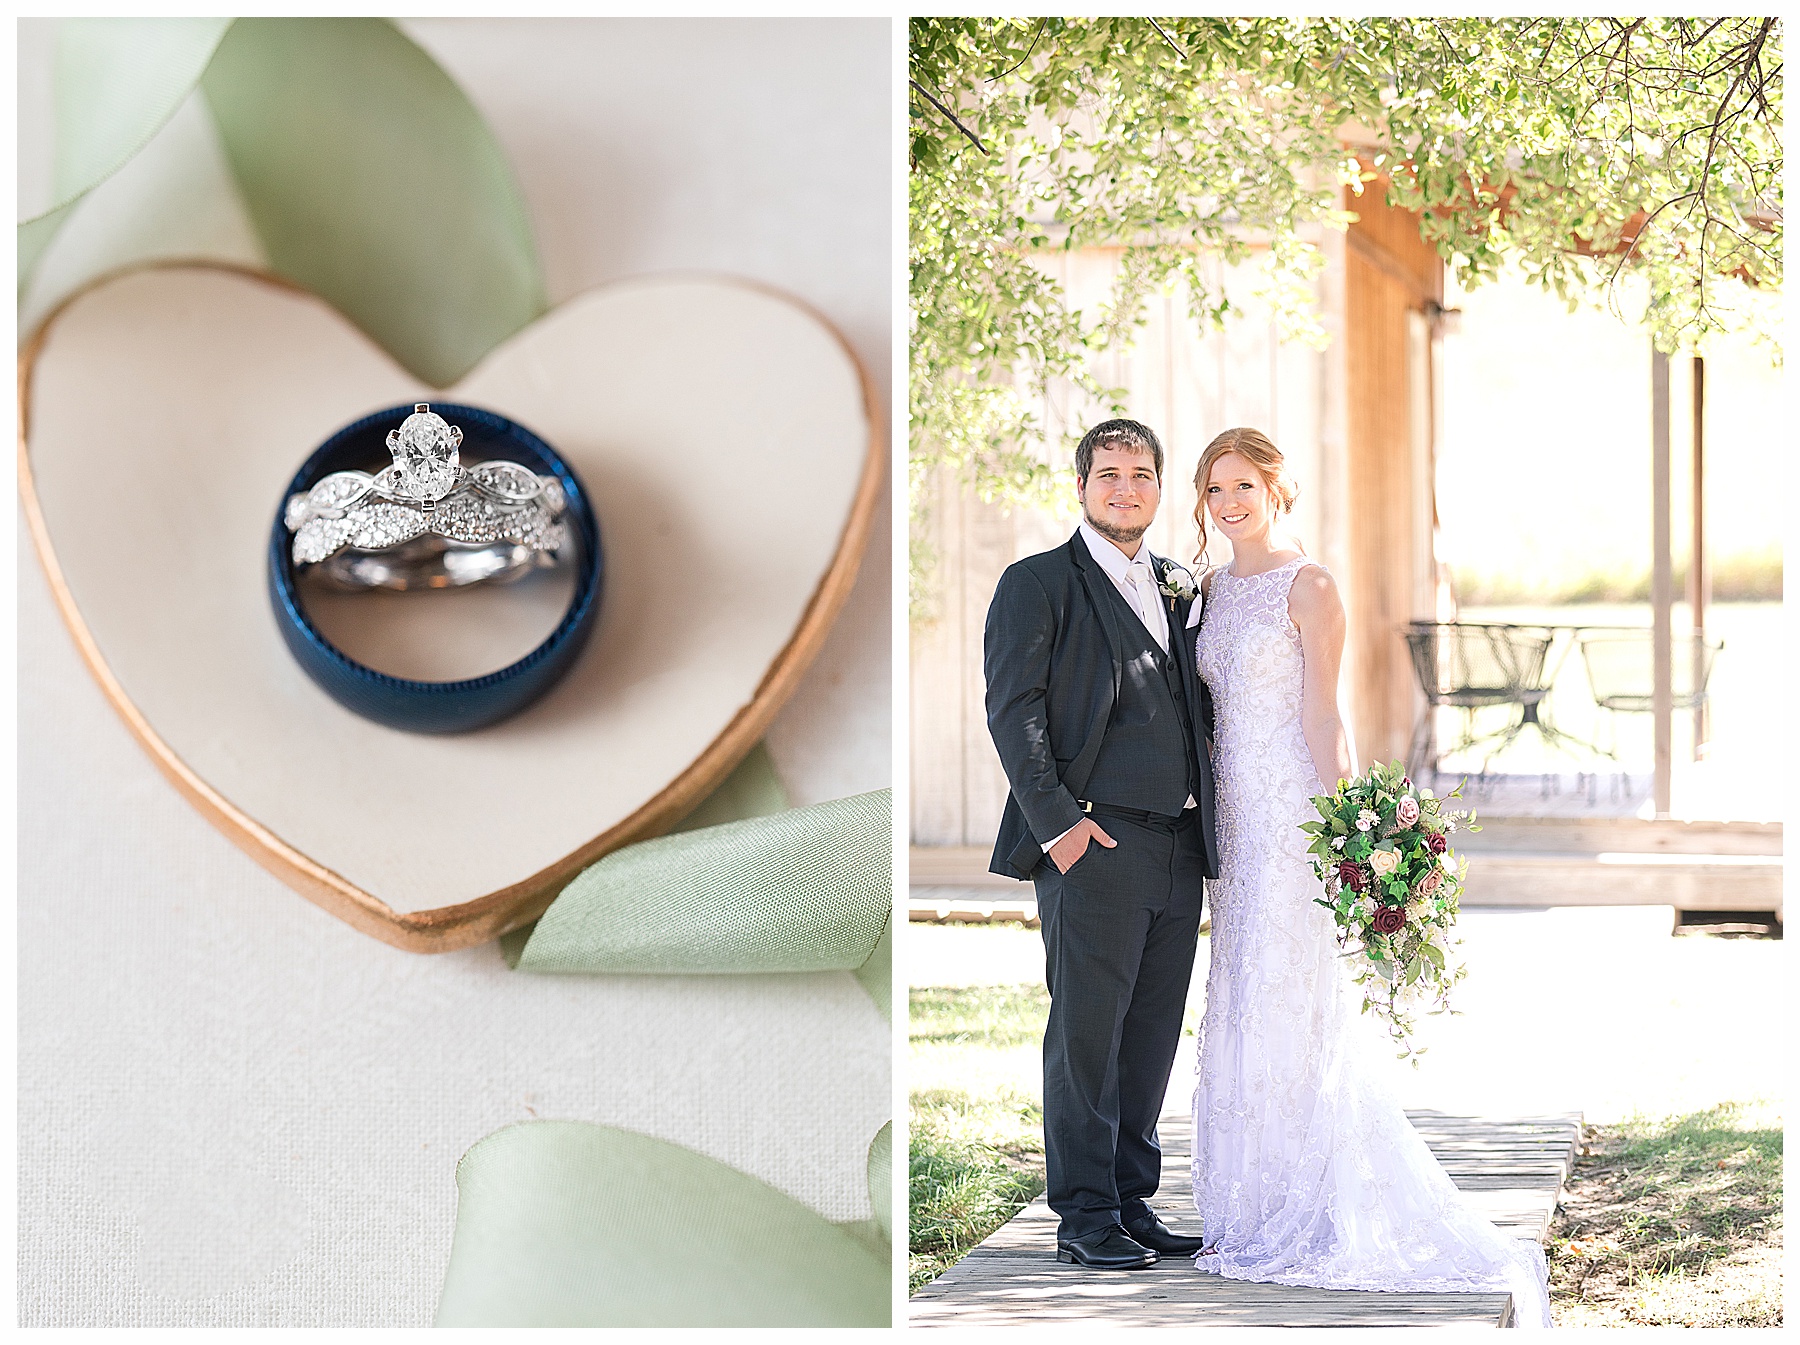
[(977, 1117), (1673, 1221)]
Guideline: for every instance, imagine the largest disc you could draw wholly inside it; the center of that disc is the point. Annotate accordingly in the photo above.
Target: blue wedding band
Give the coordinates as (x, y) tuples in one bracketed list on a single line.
[(437, 707)]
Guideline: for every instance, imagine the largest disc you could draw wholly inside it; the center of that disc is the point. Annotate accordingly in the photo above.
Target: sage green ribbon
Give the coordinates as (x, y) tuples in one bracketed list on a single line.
[(801, 889), (117, 82), (567, 1223), (369, 177)]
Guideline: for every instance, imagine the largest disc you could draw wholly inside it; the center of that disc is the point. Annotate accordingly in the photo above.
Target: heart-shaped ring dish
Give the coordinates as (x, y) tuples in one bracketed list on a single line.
[(725, 433)]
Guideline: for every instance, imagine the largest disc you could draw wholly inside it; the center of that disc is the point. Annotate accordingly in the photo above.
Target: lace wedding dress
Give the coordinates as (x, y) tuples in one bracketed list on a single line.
[(1306, 1170)]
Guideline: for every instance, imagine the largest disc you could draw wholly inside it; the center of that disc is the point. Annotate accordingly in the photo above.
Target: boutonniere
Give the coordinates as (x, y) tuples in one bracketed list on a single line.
[(1177, 582)]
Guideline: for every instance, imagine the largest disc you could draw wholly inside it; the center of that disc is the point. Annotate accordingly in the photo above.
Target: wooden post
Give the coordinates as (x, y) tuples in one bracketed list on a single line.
[(1661, 579), (1699, 572)]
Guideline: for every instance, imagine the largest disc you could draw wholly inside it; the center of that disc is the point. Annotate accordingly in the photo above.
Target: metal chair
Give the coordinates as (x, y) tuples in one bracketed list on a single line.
[(1620, 671), (1469, 665)]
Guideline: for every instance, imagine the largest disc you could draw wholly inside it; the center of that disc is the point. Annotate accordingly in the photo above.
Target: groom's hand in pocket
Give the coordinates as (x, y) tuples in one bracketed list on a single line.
[(1074, 845)]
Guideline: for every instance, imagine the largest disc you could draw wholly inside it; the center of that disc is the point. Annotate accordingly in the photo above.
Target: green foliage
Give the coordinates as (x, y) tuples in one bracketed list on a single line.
[(1578, 149)]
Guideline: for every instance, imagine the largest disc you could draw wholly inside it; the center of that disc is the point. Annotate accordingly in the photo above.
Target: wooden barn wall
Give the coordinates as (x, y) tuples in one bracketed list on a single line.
[(1188, 385), (1389, 277)]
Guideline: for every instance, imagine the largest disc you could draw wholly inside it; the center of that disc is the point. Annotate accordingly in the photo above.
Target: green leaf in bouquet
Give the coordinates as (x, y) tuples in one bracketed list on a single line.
[(1433, 955), (373, 182)]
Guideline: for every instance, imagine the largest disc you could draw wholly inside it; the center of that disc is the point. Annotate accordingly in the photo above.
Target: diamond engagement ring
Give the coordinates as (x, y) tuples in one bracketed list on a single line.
[(426, 521), (429, 520)]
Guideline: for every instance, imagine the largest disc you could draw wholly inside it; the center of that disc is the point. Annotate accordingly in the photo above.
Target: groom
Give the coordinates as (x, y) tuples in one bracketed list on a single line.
[(1098, 712)]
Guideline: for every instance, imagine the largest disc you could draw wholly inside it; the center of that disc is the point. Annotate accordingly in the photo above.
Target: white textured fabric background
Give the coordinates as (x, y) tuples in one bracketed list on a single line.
[(234, 1108)]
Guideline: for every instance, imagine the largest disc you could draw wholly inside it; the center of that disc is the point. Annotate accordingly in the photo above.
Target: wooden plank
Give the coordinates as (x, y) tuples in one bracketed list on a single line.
[(1688, 882), (1511, 1171), (1628, 835)]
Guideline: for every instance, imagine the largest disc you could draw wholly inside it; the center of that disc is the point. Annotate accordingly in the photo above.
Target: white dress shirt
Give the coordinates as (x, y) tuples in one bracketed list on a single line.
[(1118, 567)]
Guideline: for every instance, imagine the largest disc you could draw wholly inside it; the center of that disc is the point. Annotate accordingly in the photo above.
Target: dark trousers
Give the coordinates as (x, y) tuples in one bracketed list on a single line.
[(1120, 929)]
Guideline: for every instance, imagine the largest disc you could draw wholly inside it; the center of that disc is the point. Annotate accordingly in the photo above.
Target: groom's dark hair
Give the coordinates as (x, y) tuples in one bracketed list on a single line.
[(1126, 434)]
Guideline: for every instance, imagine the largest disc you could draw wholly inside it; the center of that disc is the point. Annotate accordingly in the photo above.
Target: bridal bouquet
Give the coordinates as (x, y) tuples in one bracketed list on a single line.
[(1381, 847)]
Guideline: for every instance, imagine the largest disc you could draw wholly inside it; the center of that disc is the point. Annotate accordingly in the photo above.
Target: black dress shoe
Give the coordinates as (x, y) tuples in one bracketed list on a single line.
[(1153, 1233), (1109, 1249)]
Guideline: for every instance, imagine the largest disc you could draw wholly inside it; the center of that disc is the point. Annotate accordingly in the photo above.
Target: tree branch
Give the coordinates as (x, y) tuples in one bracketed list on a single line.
[(1166, 38), (926, 94), (1026, 57)]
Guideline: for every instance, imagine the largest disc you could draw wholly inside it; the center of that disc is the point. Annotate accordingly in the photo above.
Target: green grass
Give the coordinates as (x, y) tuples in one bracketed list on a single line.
[(1673, 1221), (983, 1015), (1744, 576), (977, 1117)]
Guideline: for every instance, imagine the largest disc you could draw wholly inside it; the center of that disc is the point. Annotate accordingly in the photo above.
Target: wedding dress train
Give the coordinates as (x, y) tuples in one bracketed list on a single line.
[(1306, 1170)]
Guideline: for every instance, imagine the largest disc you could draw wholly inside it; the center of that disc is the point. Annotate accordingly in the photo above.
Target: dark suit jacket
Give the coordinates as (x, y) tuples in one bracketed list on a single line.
[(1054, 659)]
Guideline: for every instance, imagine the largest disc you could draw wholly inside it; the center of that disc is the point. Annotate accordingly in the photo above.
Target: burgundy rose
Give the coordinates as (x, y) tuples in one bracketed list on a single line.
[(1436, 843), (1350, 874), (1388, 920)]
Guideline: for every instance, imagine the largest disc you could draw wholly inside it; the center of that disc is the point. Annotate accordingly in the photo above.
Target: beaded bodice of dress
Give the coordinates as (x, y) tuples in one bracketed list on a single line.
[(1250, 659)]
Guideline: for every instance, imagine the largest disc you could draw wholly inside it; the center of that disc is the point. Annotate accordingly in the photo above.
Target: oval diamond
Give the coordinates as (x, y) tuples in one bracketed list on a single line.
[(425, 457)]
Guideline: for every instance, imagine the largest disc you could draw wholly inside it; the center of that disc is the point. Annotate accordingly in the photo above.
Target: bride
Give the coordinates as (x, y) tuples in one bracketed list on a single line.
[(1306, 1170)]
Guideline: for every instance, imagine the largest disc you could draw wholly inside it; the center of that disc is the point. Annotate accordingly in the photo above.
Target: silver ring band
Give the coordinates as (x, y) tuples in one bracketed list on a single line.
[(431, 562)]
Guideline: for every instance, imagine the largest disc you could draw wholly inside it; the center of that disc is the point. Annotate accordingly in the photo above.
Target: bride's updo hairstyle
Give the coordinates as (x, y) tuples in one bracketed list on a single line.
[(1254, 447)]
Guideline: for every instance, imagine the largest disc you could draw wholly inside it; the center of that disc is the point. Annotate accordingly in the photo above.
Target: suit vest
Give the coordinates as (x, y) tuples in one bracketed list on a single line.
[(1146, 759)]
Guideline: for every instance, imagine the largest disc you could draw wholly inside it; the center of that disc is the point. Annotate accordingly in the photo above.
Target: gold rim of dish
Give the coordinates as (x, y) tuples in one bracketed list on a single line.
[(465, 924)]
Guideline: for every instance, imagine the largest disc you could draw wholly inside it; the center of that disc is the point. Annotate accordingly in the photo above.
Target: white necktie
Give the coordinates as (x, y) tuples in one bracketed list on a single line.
[(1148, 605)]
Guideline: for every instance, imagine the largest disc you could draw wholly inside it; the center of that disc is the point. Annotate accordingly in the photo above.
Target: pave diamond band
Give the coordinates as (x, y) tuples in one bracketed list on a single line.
[(426, 521), (433, 520)]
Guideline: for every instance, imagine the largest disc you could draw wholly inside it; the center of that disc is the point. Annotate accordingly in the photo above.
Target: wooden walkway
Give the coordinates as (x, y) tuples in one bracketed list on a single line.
[(1511, 1170)]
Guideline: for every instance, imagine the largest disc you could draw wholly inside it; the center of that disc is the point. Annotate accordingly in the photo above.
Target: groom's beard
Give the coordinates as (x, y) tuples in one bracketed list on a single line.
[(1113, 532)]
